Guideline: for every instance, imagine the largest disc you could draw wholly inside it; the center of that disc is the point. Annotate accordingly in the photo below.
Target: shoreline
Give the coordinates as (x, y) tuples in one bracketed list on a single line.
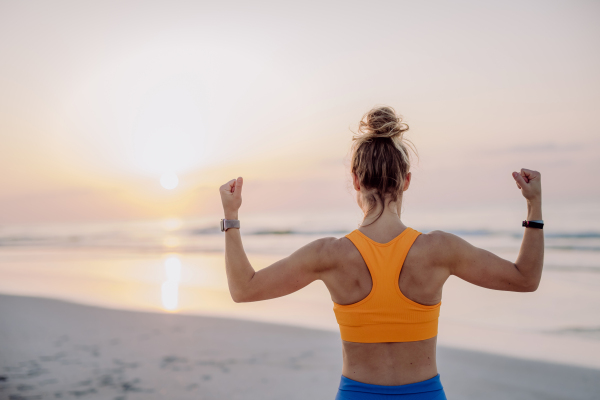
[(58, 349)]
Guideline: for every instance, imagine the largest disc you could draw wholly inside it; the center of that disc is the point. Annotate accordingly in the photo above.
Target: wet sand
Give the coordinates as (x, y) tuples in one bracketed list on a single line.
[(51, 349)]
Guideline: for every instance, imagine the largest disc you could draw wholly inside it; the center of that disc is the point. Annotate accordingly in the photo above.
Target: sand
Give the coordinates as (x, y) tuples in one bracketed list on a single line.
[(51, 349)]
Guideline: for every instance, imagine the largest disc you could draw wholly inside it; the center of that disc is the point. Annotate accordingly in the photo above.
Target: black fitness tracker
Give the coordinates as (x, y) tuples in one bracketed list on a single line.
[(534, 224)]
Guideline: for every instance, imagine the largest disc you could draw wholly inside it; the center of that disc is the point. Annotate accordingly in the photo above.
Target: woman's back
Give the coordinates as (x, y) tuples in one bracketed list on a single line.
[(350, 282)]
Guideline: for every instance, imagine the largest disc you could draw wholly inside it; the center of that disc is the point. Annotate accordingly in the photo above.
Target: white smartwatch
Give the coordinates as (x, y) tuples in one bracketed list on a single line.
[(229, 223)]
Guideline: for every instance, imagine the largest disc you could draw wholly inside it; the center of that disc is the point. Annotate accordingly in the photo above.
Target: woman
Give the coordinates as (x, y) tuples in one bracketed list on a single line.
[(386, 279)]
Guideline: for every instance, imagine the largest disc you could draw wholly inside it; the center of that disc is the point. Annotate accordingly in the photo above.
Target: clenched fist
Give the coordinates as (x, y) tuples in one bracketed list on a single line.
[(231, 197), (530, 184)]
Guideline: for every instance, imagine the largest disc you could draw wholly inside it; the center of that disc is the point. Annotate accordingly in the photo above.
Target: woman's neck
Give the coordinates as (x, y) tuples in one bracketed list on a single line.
[(386, 227)]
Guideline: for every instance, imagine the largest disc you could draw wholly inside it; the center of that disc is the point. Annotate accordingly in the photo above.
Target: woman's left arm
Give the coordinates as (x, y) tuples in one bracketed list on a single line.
[(279, 279)]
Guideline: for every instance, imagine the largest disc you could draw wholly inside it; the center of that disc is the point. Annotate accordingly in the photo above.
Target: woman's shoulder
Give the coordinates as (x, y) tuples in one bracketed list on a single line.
[(330, 246), (437, 237), (329, 252), (436, 245), (334, 247)]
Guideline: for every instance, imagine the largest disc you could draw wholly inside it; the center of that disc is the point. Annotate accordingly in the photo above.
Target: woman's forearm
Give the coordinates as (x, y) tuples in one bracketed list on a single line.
[(531, 256), (238, 267)]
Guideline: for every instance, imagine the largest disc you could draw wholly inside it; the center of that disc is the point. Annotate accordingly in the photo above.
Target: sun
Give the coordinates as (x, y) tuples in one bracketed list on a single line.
[(169, 181)]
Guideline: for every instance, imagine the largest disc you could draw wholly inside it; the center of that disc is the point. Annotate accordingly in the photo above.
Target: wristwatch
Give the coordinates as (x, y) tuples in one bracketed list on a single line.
[(229, 223)]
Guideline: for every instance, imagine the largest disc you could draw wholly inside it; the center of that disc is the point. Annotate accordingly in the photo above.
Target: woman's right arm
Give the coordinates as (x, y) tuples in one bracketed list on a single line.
[(483, 268)]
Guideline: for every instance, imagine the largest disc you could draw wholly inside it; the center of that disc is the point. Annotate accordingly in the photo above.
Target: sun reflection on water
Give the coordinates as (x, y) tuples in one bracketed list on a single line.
[(170, 287)]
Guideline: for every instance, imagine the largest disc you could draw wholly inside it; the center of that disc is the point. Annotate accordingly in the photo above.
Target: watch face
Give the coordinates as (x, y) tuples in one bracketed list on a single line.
[(222, 225)]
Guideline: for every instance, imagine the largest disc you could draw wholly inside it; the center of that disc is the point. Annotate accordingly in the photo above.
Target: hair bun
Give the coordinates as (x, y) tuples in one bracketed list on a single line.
[(382, 122)]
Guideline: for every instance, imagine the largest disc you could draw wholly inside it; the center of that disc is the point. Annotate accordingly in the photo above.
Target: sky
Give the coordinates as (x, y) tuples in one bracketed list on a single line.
[(98, 99)]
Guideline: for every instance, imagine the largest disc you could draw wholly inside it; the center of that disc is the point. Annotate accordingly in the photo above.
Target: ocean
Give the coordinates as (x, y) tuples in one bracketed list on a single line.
[(177, 265)]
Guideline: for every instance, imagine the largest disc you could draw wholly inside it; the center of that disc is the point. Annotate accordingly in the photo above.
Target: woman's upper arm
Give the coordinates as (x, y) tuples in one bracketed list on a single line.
[(292, 273), (478, 266)]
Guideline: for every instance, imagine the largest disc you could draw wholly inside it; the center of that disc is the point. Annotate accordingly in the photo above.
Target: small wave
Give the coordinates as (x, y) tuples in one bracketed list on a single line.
[(565, 268), (574, 235), (298, 232), (573, 248), (591, 332), (474, 232), (37, 241), (564, 235), (212, 231)]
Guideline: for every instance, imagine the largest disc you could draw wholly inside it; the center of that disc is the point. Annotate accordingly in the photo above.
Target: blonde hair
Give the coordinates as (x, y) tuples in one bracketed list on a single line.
[(380, 158)]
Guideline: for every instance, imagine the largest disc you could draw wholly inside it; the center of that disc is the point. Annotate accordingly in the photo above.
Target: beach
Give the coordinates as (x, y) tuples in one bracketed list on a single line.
[(52, 349)]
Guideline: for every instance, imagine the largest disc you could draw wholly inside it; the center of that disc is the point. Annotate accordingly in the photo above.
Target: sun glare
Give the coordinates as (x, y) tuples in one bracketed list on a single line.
[(173, 268), (169, 181)]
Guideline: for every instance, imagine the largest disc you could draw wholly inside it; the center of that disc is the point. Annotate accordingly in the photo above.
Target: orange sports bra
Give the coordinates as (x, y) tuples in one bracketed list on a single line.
[(386, 315)]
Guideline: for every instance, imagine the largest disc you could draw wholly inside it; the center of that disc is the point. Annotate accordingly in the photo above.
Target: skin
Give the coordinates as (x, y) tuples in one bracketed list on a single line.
[(431, 260)]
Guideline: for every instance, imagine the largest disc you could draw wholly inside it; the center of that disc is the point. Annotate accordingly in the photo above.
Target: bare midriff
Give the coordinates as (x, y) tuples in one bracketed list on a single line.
[(390, 364)]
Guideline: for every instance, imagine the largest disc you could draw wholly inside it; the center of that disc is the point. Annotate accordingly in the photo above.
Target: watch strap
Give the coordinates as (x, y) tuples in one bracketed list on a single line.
[(229, 223)]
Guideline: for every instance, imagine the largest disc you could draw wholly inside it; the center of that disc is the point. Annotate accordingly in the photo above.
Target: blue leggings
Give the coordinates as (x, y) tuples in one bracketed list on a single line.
[(431, 389)]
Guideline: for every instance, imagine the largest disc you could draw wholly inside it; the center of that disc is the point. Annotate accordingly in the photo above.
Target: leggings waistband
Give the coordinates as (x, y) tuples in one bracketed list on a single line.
[(430, 385)]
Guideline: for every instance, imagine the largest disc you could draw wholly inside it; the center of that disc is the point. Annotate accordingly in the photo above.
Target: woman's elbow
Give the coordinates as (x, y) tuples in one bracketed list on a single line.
[(244, 297), (238, 297), (529, 285), (527, 282)]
